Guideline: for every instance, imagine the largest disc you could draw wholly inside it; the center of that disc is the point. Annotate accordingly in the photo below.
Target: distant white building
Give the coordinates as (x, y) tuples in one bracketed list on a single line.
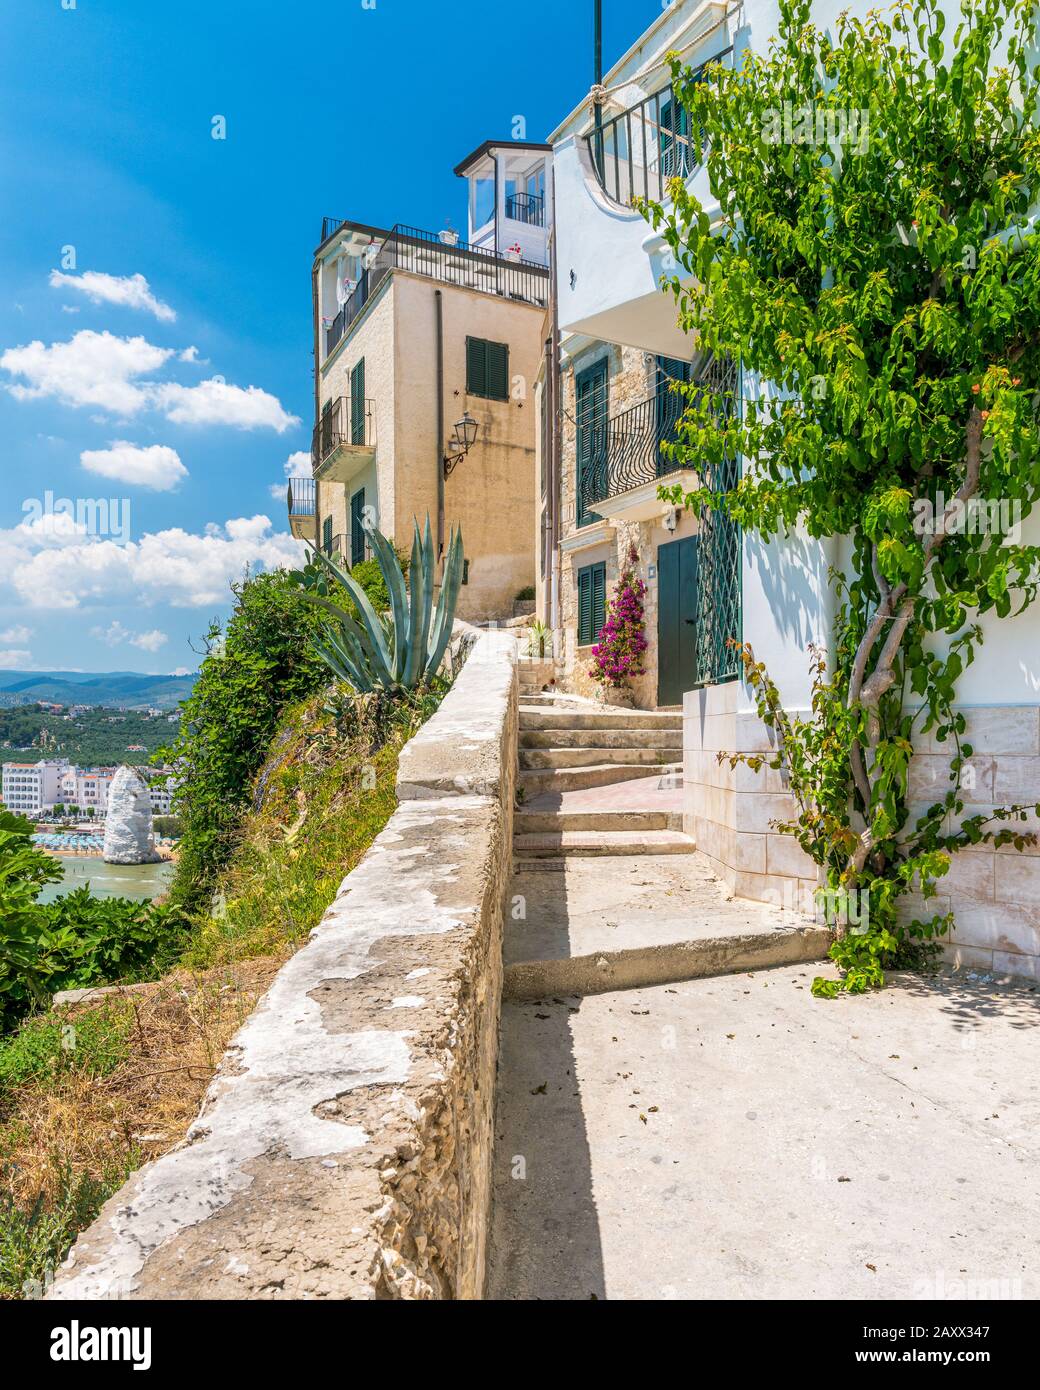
[(86, 788), (29, 787)]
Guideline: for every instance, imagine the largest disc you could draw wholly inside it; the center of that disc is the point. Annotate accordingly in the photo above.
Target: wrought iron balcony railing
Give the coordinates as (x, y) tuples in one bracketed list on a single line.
[(630, 450), (526, 207), (344, 423), (301, 497), (636, 152), (454, 262)]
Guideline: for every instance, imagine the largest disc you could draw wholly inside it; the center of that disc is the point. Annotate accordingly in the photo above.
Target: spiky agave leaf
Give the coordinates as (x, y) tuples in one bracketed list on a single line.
[(369, 618), (445, 618), (386, 557)]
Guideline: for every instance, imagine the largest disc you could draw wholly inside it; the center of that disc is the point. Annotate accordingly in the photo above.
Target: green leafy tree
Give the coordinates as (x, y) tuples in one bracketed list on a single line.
[(873, 256), (26, 948), (261, 663)]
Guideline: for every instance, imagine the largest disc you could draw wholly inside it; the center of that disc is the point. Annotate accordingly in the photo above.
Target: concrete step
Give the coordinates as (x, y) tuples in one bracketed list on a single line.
[(569, 779), (535, 758), (601, 738), (527, 822), (602, 842), (552, 712)]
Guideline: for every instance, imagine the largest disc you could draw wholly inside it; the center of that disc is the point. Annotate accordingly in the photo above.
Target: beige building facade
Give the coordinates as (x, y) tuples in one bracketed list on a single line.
[(428, 350)]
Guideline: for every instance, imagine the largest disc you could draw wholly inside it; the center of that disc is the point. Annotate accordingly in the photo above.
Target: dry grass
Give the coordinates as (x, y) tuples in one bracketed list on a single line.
[(179, 1029), (67, 1141)]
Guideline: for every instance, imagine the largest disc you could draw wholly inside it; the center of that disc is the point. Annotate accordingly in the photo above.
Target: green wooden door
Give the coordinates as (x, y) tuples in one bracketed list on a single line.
[(677, 565)]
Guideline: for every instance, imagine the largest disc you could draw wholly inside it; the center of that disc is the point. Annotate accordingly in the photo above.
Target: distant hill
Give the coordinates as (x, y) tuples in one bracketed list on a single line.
[(115, 689)]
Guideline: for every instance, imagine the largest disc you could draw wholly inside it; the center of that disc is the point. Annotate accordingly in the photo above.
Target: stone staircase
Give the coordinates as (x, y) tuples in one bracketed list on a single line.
[(615, 894), (571, 745)]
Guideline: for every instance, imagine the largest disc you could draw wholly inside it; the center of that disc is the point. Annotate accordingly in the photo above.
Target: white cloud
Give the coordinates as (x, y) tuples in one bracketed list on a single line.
[(90, 369), (16, 634), (116, 634), (130, 291), (191, 354), (297, 465), (99, 369), (156, 466), (214, 402), (175, 567), (14, 661)]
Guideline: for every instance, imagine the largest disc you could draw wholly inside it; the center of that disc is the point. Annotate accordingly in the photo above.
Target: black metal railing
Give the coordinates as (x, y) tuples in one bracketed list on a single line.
[(455, 262), (301, 499), (628, 451), (343, 423), (637, 152), (526, 207), (330, 225)]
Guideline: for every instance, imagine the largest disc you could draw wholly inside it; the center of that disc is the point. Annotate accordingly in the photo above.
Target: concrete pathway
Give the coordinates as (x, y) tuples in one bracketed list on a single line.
[(735, 1138)]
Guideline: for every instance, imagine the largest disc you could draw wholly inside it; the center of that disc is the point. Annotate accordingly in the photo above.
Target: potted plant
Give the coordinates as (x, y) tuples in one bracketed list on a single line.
[(514, 252), (449, 236), (618, 654), (537, 636)]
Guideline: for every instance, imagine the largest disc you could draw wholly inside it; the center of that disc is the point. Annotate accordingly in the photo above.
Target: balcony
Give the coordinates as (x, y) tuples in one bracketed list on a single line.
[(637, 152), (628, 460), (344, 440), (528, 208), (301, 503), (453, 262)]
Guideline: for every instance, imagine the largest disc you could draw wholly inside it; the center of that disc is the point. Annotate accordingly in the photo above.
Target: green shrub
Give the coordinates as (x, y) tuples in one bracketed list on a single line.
[(525, 595), (168, 827), (36, 1236), (261, 664), (48, 1046), (289, 863)]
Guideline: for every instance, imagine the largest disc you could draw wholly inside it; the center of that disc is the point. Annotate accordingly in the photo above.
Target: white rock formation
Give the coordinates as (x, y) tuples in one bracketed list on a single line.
[(128, 827)]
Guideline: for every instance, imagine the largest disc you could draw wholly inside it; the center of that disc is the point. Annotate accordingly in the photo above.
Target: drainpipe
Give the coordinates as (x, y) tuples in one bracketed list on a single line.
[(598, 59), (438, 304), (316, 353), (556, 451)]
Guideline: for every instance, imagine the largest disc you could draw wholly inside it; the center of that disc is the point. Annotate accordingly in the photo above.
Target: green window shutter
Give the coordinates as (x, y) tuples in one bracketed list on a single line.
[(326, 535), (592, 603), (487, 369), (584, 606), (357, 530), (357, 403), (476, 366), (590, 400), (599, 600), (498, 371)]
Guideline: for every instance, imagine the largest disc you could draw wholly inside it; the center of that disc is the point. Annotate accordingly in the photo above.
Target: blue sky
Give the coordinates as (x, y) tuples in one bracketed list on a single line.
[(106, 118)]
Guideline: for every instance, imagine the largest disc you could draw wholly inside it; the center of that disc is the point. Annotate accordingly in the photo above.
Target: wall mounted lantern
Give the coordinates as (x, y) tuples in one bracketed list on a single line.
[(460, 443)]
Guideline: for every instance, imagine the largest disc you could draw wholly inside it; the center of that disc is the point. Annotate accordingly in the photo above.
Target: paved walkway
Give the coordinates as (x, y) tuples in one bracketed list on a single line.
[(735, 1138)]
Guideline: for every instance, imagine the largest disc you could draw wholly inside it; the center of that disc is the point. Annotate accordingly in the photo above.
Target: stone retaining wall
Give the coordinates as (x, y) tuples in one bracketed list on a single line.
[(344, 1147)]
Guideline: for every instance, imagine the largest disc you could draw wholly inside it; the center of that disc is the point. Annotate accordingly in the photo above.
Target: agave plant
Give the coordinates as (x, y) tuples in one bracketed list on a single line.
[(403, 649)]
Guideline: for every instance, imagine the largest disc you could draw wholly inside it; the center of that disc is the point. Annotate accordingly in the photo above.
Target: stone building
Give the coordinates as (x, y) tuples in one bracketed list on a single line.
[(426, 349)]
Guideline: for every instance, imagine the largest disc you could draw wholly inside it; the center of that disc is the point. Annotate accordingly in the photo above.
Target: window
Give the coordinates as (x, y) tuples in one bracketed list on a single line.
[(357, 529), (590, 398), (357, 403), (592, 602), (326, 535), (487, 369)]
